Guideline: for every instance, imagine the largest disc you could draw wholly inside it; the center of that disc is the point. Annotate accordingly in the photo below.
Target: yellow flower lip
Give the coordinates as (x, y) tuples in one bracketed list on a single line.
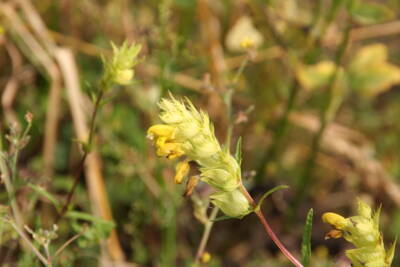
[(336, 220), (170, 150), (161, 130)]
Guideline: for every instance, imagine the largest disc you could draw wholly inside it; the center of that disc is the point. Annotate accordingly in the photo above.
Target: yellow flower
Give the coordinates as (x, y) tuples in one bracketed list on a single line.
[(206, 257), (363, 232), (188, 131), (243, 36), (339, 222), (165, 142)]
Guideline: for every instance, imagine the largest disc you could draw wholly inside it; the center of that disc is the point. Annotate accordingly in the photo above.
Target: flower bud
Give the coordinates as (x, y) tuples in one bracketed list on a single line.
[(219, 178), (232, 203), (123, 77), (119, 69)]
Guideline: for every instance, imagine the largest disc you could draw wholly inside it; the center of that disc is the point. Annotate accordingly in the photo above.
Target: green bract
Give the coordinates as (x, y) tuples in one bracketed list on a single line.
[(119, 69)]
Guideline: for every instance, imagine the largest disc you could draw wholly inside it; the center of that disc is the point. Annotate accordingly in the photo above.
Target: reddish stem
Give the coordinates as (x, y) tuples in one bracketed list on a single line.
[(269, 230)]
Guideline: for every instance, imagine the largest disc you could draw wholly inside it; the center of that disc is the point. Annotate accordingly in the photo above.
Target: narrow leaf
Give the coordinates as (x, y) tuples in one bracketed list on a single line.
[(266, 194), (223, 218), (42, 192), (306, 243), (238, 152)]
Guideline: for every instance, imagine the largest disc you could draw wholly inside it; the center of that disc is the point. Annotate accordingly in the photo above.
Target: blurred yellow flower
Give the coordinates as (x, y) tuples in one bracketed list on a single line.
[(363, 232), (243, 36)]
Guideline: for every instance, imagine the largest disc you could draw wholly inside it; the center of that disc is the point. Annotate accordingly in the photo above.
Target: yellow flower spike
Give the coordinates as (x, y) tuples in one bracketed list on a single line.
[(337, 221), (189, 131), (161, 130), (182, 169)]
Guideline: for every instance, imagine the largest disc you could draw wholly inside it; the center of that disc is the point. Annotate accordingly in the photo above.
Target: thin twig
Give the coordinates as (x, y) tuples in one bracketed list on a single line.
[(279, 132), (29, 243), (326, 116), (206, 235), (69, 241), (6, 177), (86, 152)]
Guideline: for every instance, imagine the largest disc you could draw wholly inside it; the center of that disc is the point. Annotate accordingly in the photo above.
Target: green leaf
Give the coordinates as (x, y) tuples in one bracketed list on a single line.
[(238, 152), (94, 229), (269, 192), (371, 13), (306, 243), (42, 192)]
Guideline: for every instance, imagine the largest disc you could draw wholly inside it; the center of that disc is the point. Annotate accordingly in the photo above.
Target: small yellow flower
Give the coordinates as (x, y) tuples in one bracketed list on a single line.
[(206, 257), (182, 169), (243, 36), (363, 232)]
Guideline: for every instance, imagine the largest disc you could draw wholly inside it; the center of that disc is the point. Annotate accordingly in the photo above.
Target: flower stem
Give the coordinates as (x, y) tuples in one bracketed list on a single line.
[(206, 234), (269, 230), (86, 152)]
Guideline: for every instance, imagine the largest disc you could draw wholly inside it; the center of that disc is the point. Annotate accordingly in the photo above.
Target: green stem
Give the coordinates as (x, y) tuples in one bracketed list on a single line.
[(86, 152), (278, 133), (206, 234), (29, 243), (328, 110), (6, 177)]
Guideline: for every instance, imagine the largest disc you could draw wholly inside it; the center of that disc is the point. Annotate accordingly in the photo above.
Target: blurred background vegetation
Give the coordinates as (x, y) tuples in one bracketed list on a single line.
[(315, 99)]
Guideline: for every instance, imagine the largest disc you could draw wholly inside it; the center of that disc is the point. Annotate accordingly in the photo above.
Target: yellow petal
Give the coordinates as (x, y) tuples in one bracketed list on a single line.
[(162, 130), (182, 169), (161, 141), (170, 150), (337, 221)]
